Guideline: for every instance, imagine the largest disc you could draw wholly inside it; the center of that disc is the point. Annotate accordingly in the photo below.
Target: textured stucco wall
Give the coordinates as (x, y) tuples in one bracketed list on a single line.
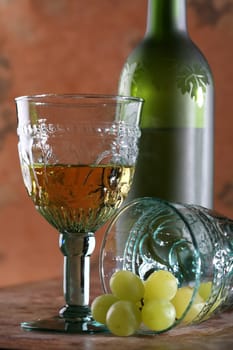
[(80, 46)]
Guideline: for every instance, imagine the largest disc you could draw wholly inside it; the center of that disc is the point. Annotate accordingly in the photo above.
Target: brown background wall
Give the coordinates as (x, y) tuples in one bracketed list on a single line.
[(80, 46)]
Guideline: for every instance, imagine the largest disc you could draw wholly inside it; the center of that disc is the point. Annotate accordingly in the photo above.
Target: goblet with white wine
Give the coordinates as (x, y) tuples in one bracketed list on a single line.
[(77, 155)]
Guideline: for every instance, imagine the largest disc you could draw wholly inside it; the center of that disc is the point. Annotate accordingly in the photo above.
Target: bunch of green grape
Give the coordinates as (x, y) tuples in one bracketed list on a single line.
[(155, 303)]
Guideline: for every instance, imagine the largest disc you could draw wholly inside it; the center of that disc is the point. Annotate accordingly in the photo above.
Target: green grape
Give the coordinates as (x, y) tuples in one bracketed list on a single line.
[(158, 314), (123, 318), (193, 312), (183, 298), (205, 290), (127, 286), (100, 306), (160, 285)]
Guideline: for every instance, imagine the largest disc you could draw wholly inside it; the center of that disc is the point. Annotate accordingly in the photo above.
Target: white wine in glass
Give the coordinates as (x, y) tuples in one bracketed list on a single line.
[(77, 155)]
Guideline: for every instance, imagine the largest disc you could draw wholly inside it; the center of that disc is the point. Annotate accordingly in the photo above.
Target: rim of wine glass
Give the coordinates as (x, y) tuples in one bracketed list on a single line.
[(53, 98)]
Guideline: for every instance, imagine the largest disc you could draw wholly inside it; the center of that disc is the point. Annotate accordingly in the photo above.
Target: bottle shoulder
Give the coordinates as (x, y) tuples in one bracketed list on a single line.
[(180, 48), (167, 62), (174, 79)]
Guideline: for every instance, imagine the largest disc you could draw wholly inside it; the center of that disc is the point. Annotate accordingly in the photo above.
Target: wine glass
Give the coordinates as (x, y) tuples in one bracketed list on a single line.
[(77, 155)]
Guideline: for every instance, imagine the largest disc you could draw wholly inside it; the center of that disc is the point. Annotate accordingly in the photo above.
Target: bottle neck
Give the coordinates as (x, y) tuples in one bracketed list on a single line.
[(166, 18)]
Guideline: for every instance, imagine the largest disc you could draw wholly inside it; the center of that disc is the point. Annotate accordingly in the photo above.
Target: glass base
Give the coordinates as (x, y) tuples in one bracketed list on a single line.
[(58, 324)]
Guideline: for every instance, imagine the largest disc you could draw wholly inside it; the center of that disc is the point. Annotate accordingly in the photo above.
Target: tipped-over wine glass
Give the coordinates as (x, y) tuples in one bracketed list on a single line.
[(77, 155)]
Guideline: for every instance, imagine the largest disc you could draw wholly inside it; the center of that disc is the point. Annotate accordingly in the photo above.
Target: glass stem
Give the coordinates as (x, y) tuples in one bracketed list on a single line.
[(77, 249)]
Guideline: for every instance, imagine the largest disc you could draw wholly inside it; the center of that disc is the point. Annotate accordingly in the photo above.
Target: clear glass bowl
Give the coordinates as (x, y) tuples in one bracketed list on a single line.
[(192, 242)]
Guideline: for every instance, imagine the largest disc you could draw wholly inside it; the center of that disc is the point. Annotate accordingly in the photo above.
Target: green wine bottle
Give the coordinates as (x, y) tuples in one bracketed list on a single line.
[(168, 70)]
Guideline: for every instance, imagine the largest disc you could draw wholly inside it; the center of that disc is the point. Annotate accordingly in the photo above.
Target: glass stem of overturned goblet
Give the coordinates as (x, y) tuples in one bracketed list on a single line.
[(77, 249)]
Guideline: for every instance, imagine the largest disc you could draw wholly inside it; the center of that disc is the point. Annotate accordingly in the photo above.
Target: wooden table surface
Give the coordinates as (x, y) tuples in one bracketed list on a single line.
[(41, 299)]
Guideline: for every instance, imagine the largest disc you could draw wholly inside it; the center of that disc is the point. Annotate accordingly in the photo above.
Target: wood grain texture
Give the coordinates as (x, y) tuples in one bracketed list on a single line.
[(43, 299)]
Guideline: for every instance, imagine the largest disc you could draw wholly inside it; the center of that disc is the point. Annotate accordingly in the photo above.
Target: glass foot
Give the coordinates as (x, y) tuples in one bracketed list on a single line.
[(58, 324)]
